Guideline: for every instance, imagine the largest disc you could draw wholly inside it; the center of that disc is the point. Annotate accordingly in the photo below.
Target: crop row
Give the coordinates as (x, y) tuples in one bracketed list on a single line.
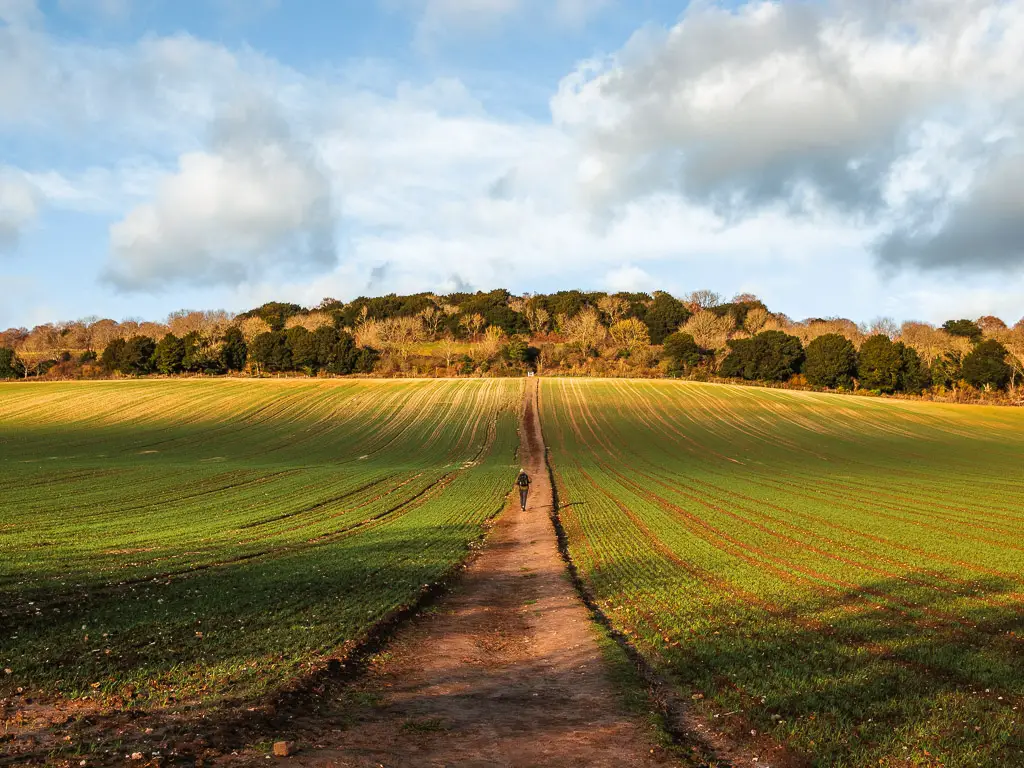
[(842, 574), (190, 540)]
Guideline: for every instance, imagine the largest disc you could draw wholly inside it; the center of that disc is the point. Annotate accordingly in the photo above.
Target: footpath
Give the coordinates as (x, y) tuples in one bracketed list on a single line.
[(504, 671)]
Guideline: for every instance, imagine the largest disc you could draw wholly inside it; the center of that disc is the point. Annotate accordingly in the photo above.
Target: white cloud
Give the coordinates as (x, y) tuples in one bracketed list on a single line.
[(110, 10), (159, 92), (258, 203), (629, 278), (19, 12), (18, 205), (810, 105)]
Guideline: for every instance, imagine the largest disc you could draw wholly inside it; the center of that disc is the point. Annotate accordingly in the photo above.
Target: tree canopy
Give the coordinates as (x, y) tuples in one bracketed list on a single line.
[(986, 366), (768, 356), (831, 361)]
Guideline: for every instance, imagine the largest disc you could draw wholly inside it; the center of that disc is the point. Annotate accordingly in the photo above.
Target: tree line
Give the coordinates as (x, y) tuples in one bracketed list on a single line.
[(700, 335)]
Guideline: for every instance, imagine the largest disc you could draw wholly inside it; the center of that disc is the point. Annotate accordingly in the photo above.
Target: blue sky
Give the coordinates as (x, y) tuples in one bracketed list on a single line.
[(836, 158)]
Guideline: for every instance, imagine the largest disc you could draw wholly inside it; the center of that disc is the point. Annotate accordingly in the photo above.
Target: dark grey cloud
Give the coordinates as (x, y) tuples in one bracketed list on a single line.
[(457, 284), (985, 230), (378, 277), (503, 188)]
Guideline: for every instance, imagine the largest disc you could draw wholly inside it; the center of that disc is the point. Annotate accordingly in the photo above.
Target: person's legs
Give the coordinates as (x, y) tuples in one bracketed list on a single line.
[(522, 498)]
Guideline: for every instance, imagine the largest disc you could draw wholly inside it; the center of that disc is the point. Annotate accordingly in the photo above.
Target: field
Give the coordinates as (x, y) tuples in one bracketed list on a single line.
[(841, 575), (176, 541)]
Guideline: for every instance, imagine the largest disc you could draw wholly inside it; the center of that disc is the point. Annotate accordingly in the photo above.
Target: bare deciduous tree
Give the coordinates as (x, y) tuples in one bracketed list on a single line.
[(251, 327), (931, 343), (755, 320), (708, 329), (449, 346), (432, 317), (809, 331), (584, 329), (211, 324), (702, 299), (41, 344), (538, 318), (990, 324), (397, 335), (490, 343), (13, 337), (529, 307), (745, 298), (884, 326), (630, 334), (310, 321), (129, 327), (473, 324), (153, 330), (102, 332), (614, 308)]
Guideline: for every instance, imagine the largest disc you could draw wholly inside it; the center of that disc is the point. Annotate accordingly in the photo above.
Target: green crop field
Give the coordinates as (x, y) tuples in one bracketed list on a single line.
[(191, 540), (840, 575)]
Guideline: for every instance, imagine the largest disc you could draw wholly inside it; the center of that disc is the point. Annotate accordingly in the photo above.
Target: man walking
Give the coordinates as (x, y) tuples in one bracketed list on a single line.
[(523, 481)]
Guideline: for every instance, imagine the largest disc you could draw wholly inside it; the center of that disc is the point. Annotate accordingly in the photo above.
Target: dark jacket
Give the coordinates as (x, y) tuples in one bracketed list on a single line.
[(523, 481)]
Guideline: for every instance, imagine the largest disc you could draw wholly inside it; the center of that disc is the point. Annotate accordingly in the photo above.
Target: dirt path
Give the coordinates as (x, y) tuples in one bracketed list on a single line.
[(505, 671)]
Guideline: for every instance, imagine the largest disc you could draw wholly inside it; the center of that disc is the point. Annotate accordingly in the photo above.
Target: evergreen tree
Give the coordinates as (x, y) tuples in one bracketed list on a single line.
[(966, 328), (324, 340), (344, 356), (914, 376), (664, 316), (682, 352), (169, 354), (7, 363), (270, 352), (303, 352), (138, 355), (880, 364), (113, 355), (986, 365), (768, 356), (234, 352), (831, 361)]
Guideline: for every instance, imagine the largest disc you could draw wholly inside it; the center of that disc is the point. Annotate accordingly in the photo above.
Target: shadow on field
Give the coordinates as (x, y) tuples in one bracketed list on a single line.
[(920, 670), (239, 637)]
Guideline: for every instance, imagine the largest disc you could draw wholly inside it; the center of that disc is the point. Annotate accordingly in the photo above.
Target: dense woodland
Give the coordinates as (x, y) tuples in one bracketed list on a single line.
[(700, 336)]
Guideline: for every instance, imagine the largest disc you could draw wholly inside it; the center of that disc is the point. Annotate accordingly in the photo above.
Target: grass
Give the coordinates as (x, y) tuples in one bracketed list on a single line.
[(840, 575), (180, 541)]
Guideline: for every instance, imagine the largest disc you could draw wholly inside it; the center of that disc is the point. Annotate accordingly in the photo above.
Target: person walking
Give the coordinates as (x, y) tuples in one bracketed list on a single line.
[(523, 482)]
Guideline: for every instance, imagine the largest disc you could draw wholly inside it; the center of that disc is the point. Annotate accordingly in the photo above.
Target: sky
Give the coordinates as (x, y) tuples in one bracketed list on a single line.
[(855, 158)]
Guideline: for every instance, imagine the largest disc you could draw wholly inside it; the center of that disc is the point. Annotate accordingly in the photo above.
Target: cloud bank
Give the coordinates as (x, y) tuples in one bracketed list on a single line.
[(831, 150), (816, 106)]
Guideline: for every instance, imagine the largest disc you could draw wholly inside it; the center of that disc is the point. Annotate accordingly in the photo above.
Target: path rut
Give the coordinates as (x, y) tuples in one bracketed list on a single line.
[(505, 671)]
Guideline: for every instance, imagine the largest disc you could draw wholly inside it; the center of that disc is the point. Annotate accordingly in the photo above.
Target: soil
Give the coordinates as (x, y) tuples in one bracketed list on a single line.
[(504, 671)]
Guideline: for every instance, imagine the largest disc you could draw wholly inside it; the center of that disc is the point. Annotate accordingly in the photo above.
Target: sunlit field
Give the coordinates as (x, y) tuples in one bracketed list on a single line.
[(842, 575)]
